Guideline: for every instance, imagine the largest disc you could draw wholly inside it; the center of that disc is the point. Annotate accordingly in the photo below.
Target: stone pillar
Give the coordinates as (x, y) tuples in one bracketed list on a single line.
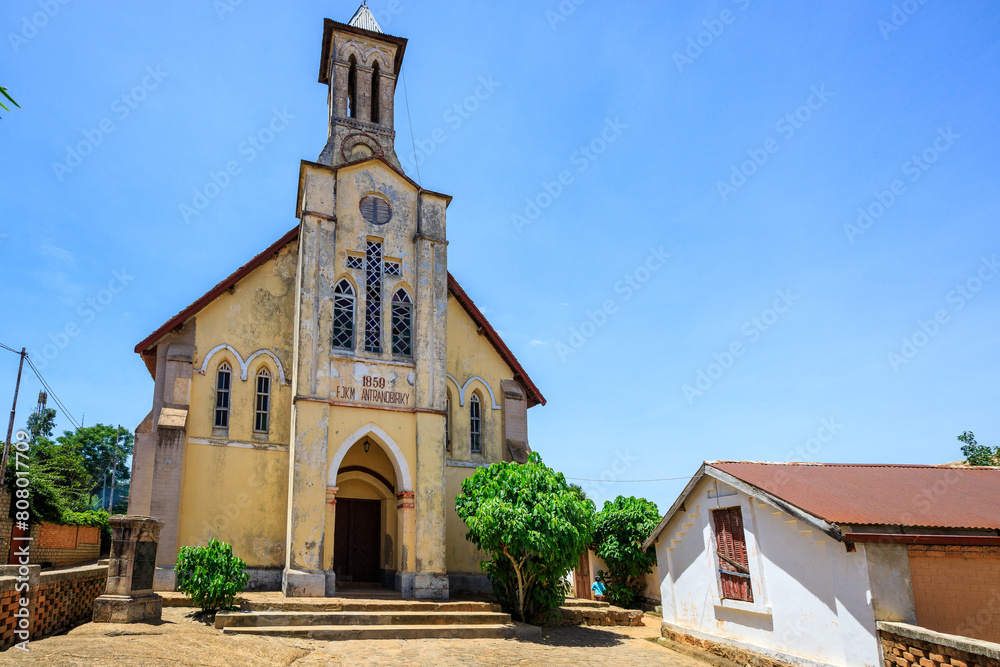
[(406, 532), (305, 544), (129, 596), (331, 527), (363, 93)]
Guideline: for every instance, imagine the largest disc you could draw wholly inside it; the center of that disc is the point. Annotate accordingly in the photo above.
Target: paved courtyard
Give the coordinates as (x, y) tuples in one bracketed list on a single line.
[(180, 640)]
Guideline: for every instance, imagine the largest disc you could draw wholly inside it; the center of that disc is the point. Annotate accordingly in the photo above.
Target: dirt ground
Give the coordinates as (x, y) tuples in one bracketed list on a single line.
[(181, 640)]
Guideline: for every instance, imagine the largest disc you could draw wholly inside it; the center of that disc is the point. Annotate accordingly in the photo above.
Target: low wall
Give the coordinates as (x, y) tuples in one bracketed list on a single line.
[(59, 600), (910, 646)]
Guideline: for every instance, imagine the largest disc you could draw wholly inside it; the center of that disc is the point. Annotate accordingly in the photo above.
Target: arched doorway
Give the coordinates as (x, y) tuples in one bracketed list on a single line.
[(367, 476)]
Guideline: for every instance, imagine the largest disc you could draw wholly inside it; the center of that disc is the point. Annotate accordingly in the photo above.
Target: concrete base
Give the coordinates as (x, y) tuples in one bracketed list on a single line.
[(127, 609), (430, 586), (264, 579), (165, 578), (331, 583), (298, 584), (469, 583)]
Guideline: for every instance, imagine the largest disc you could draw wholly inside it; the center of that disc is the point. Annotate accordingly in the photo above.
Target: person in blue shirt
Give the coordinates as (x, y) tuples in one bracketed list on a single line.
[(598, 589)]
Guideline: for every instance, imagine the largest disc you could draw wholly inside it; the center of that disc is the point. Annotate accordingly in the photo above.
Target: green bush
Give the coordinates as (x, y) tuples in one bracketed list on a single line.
[(619, 532), (211, 576), (532, 526)]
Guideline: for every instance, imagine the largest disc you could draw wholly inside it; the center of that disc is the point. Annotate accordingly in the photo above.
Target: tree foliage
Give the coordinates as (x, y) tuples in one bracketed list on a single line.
[(619, 532), (63, 474), (6, 95), (976, 454), (533, 527), (58, 481), (211, 576)]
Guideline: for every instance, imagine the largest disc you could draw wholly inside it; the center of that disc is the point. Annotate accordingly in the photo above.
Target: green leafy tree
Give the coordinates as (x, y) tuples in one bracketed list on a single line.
[(619, 532), (5, 94), (211, 576), (96, 444), (533, 527), (976, 454), (57, 479)]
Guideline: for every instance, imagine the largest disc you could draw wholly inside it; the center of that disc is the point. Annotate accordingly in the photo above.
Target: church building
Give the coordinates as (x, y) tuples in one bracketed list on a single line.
[(320, 408)]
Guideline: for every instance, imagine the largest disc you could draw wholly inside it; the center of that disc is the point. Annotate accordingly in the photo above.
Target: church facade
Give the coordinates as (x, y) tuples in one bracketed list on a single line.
[(320, 407)]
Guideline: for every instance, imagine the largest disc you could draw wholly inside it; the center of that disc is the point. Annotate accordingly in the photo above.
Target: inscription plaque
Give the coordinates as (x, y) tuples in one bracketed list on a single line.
[(144, 567)]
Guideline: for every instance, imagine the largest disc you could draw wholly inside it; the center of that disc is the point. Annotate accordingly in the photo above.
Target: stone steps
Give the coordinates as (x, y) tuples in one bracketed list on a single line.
[(317, 605), (285, 619), (349, 632), (579, 602)]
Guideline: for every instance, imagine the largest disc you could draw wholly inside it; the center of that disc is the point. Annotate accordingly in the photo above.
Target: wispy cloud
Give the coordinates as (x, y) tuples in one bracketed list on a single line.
[(57, 253)]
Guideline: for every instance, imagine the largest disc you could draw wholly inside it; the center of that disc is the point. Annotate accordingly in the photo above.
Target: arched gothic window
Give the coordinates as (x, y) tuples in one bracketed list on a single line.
[(476, 424), (402, 323), (343, 315), (376, 89), (447, 423), (352, 88), (262, 413), (223, 386)]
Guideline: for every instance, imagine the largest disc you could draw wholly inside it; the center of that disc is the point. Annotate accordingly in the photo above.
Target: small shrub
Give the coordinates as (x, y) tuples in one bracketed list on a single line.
[(211, 576)]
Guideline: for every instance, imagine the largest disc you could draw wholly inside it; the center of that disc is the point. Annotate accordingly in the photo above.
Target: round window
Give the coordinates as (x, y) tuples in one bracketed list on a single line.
[(376, 210)]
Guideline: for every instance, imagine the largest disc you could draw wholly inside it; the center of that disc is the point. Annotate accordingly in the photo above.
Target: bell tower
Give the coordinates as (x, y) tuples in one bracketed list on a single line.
[(361, 66)]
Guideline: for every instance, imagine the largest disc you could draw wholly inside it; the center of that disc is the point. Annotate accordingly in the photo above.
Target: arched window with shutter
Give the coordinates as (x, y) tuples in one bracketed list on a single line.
[(402, 323), (262, 412), (223, 387), (343, 315)]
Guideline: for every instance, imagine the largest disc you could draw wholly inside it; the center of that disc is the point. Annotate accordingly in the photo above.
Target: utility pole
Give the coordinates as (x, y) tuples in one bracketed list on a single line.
[(13, 410), (114, 469)]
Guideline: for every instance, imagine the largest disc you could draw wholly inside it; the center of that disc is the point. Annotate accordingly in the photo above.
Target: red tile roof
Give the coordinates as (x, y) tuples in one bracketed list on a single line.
[(894, 495), (145, 347)]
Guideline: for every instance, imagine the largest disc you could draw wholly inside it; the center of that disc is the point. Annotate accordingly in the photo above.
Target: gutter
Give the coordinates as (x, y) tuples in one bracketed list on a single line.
[(952, 540)]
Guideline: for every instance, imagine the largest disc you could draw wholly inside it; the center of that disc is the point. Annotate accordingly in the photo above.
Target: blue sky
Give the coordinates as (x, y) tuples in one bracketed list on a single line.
[(643, 189)]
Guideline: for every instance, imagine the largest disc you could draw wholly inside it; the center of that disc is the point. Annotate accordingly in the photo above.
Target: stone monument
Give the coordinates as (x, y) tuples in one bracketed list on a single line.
[(129, 596)]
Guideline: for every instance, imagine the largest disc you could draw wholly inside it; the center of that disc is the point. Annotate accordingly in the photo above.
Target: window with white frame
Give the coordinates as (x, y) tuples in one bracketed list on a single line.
[(262, 412), (476, 424), (447, 424), (223, 387)]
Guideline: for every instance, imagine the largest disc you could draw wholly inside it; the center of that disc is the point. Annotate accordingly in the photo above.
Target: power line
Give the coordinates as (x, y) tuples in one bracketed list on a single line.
[(10, 349), (51, 393), (413, 140)]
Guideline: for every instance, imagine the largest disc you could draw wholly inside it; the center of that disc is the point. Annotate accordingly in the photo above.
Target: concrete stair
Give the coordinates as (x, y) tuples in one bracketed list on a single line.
[(333, 619)]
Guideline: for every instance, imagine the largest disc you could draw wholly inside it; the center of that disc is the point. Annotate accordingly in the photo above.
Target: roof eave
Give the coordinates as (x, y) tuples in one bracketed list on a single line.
[(831, 529), (329, 25)]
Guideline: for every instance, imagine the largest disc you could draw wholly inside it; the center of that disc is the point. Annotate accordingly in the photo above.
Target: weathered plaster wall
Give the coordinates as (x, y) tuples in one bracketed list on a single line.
[(810, 594)]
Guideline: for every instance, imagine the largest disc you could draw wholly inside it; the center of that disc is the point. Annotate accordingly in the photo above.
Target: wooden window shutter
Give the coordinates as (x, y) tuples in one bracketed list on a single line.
[(732, 557)]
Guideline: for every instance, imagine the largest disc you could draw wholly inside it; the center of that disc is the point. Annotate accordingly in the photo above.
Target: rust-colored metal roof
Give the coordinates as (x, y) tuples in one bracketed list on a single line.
[(145, 348), (894, 495)]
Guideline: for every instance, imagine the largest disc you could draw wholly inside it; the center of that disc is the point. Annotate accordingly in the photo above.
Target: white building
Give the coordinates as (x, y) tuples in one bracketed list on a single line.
[(798, 563)]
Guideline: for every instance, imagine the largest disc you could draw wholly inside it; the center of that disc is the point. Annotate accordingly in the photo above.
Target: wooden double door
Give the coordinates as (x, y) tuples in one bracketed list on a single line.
[(356, 540)]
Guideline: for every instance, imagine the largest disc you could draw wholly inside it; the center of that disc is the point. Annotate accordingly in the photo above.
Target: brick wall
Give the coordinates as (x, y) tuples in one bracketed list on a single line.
[(65, 599), (909, 646), (59, 600), (65, 546), (956, 590)]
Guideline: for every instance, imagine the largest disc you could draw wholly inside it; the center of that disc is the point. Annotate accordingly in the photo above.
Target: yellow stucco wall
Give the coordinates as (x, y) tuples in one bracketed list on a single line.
[(235, 483)]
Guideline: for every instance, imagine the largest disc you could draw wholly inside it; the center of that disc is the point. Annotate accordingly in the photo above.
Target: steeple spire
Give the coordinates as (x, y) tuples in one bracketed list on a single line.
[(364, 19)]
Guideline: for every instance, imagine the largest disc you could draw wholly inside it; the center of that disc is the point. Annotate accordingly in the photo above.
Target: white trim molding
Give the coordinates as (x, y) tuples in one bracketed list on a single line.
[(244, 365), (399, 464), (461, 391)]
